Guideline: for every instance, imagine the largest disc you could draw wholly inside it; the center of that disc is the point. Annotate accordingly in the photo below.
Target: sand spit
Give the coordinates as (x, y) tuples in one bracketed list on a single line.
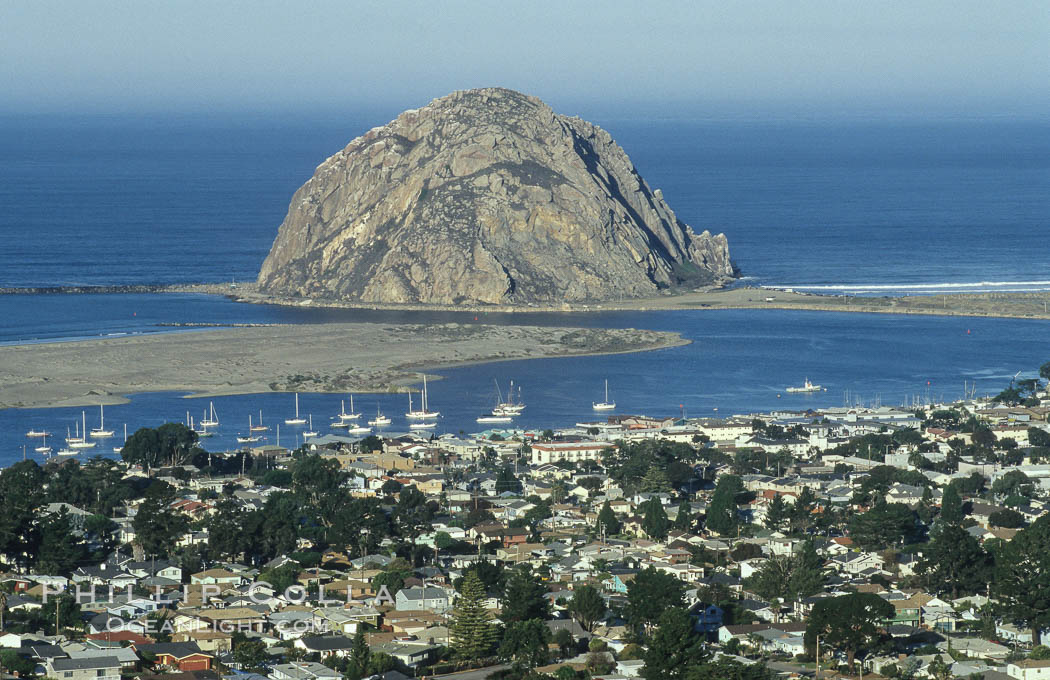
[(339, 357)]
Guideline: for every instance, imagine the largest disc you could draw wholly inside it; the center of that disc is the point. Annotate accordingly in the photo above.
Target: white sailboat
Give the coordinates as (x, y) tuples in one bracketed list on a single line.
[(380, 420), (353, 415), (118, 449), (37, 433), (296, 420), (496, 415), (43, 448), (257, 428), (310, 432), (422, 425), (424, 412), (604, 405), (251, 437), (210, 420), (509, 407), (101, 432), (81, 442)]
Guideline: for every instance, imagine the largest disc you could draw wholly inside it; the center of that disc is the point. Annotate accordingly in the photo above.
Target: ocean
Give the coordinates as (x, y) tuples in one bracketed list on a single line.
[(858, 207)]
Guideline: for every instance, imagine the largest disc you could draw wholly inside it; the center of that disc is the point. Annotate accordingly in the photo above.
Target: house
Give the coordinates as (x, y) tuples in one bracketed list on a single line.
[(427, 598), (1029, 669), (325, 646), (412, 654), (303, 670), (96, 668), (185, 656)]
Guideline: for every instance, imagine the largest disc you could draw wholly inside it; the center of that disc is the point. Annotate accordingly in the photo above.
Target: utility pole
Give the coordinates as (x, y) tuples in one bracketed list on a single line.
[(816, 674)]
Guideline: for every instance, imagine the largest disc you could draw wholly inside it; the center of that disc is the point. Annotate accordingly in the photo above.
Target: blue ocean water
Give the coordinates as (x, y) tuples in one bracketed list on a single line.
[(861, 207)]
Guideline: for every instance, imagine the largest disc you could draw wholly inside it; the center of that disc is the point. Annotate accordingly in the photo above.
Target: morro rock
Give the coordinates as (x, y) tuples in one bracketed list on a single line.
[(485, 196)]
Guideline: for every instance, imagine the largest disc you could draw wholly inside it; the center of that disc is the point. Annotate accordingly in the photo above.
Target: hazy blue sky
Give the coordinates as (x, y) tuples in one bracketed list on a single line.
[(604, 58)]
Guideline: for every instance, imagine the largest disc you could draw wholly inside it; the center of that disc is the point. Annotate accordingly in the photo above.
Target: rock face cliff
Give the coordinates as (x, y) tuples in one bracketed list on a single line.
[(485, 196)]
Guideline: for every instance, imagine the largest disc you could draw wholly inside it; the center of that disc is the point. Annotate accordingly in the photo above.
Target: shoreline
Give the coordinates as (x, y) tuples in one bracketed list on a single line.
[(327, 358), (1005, 305)]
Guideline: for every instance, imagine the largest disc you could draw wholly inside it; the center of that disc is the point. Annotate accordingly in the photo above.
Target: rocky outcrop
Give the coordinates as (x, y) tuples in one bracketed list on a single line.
[(485, 196)]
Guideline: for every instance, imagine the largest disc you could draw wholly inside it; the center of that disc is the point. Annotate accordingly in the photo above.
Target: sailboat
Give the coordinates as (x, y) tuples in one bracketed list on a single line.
[(80, 442), (496, 415), (296, 420), (210, 420), (353, 415), (509, 407), (310, 432), (380, 420), (423, 412), (359, 429), (43, 448), (251, 437), (257, 428), (37, 433), (203, 431), (118, 449), (338, 420), (604, 405), (101, 432)]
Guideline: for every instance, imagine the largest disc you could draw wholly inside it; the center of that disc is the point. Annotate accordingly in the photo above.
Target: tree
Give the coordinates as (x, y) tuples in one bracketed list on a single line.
[(675, 646), (649, 594), (60, 551), (524, 597), (1044, 371), (157, 527), (607, 520), (251, 655), (357, 664), (951, 505), (802, 510), (655, 480), (684, 520), (790, 577), (849, 623), (1008, 519), (884, 525), (507, 482), (525, 644), (954, 562), (1037, 437), (654, 522), (776, 513), (587, 606), (1022, 581), (721, 512), (471, 631), (728, 669)]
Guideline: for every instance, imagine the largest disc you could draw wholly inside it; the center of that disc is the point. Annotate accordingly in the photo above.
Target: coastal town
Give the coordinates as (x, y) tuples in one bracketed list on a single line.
[(835, 542)]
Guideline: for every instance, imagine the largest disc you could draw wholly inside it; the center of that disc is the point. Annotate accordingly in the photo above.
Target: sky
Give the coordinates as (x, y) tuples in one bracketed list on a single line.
[(790, 58)]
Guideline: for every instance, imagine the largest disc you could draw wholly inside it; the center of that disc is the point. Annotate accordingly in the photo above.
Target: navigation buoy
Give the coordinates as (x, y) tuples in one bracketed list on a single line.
[(967, 331)]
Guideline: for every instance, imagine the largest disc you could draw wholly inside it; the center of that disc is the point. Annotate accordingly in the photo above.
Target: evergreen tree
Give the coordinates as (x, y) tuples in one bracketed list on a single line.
[(525, 644), (471, 631), (587, 606), (60, 551), (674, 648), (884, 525), (507, 482), (776, 513), (721, 512), (655, 480), (649, 594), (951, 506), (655, 523), (684, 520), (157, 528), (524, 597), (360, 656), (801, 515), (607, 520), (848, 623), (954, 563), (807, 578), (1022, 576)]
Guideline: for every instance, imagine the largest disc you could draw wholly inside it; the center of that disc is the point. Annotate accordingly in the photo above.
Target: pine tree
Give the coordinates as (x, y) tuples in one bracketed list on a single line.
[(524, 597), (674, 648), (684, 520), (655, 480), (360, 656), (655, 523), (951, 506), (721, 512), (607, 520), (776, 513), (471, 631)]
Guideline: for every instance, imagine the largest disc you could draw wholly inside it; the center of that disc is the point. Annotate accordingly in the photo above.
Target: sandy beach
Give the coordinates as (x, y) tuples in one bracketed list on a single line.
[(1004, 305), (359, 357)]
